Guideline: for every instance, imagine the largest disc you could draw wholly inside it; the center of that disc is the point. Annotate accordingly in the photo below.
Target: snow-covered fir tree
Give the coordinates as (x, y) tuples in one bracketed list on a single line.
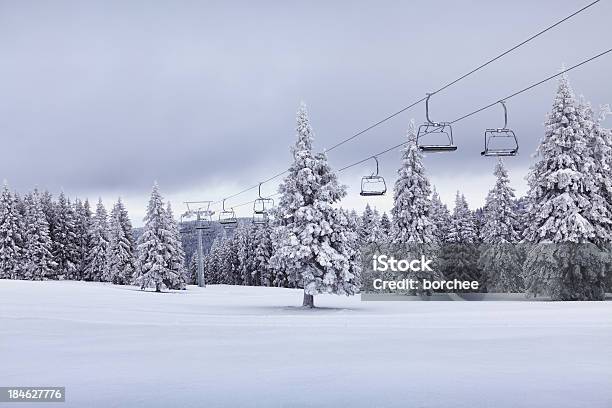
[(500, 259), (568, 215), (177, 253), (411, 213), (11, 236), (600, 143), (459, 254), (121, 261), (385, 224), (154, 251), (244, 253), (38, 260), (212, 263), (83, 223), (64, 238), (96, 268), (261, 255), (440, 217), (479, 221), (310, 240), (370, 231)]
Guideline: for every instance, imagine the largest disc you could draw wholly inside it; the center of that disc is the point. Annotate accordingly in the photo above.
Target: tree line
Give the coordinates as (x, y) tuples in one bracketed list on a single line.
[(555, 241), (46, 239)]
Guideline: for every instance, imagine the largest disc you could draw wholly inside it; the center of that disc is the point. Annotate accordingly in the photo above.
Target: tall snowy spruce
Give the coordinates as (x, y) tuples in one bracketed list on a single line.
[(83, 222), (262, 254), (500, 259), (411, 213), (121, 261), (440, 217), (369, 228), (65, 240), (385, 226), (311, 244), (154, 252), (177, 253), (11, 236), (459, 254), (38, 259), (412, 227), (601, 147), (96, 261), (569, 219)]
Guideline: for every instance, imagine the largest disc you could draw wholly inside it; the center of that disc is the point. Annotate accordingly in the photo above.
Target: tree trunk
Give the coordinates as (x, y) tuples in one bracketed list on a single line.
[(308, 301), (157, 287)]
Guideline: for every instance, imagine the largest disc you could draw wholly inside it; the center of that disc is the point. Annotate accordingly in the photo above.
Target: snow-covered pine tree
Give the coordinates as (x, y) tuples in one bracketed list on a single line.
[(500, 259), (459, 255), (365, 221), (522, 211), (177, 256), (385, 226), (11, 236), (83, 222), (64, 238), (411, 212), (96, 267), (244, 262), (310, 247), (602, 149), (262, 254), (568, 215), (440, 217), (39, 262), (262, 251), (48, 208), (600, 143), (228, 260), (121, 261), (370, 231), (154, 253), (479, 221), (212, 263)]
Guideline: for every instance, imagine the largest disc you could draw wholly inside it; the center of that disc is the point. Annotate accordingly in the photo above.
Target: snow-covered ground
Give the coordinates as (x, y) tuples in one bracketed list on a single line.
[(115, 346)]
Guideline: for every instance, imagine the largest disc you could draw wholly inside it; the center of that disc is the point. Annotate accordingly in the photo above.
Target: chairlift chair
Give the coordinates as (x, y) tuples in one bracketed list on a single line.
[(260, 218), (205, 220), (373, 185), (227, 218), (500, 142), (261, 205), (438, 136)]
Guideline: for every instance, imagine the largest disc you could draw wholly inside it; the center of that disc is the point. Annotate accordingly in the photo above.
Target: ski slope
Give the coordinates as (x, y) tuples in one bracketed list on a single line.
[(114, 346)]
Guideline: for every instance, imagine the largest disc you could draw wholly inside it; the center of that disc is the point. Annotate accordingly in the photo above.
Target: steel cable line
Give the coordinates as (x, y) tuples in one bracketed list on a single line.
[(413, 104)]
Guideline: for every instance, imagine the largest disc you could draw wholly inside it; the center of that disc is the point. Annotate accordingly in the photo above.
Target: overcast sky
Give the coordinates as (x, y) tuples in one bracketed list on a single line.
[(102, 98)]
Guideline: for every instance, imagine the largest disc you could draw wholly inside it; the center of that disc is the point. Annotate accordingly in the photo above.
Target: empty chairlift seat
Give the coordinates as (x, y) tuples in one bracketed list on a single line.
[(500, 142), (227, 218), (435, 136), (373, 185)]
